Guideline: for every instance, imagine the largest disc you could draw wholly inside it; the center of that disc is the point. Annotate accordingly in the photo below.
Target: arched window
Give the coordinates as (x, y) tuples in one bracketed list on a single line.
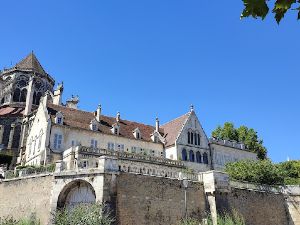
[(205, 158), (192, 156), (38, 98), (192, 138), (198, 135), (34, 98), (16, 97), (23, 95), (184, 155), (198, 157), (189, 137)]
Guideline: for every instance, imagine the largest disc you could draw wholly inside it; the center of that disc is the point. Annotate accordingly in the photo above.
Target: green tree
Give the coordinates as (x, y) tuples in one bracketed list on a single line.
[(243, 134), (261, 8)]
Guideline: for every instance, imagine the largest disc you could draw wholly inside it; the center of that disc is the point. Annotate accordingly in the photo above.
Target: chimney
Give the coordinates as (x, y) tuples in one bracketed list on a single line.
[(118, 117), (73, 102), (98, 113), (157, 124), (57, 97), (29, 97)]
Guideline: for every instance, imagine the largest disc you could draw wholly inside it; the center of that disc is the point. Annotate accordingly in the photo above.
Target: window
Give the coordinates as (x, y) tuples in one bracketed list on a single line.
[(189, 137), (198, 135), (73, 143), (184, 155), (192, 138), (59, 120), (57, 141), (94, 127), (16, 96), (192, 156), (111, 146), (155, 139), (133, 149), (115, 130), (198, 157), (120, 147), (94, 143), (23, 95), (205, 158), (138, 135)]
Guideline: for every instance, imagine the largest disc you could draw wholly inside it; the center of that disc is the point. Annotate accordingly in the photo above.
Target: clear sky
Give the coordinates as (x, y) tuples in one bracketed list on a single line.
[(156, 57)]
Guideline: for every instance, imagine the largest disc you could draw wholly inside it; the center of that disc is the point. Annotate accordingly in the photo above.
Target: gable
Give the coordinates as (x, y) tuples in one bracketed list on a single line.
[(193, 125)]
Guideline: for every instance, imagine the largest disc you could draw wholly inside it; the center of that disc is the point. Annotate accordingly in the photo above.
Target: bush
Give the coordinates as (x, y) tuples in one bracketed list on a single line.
[(83, 214), (265, 172), (11, 221), (260, 172)]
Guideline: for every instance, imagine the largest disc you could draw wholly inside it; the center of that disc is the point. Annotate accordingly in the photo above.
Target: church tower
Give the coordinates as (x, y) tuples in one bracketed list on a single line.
[(21, 89)]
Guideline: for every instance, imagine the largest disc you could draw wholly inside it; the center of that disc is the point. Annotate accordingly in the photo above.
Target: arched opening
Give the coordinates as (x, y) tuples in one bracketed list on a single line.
[(75, 193), (34, 98), (23, 95), (205, 158), (192, 156), (198, 157), (189, 137), (16, 96), (38, 98), (184, 155)]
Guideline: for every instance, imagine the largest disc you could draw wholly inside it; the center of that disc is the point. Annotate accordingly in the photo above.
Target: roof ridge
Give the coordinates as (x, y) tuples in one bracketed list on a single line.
[(48, 104), (176, 118)]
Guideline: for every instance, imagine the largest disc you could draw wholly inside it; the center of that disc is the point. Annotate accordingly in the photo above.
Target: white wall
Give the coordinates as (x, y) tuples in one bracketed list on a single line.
[(37, 139), (84, 137), (224, 154)]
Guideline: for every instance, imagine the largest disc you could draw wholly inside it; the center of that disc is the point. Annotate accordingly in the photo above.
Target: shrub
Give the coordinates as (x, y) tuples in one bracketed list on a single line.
[(83, 214), (261, 172)]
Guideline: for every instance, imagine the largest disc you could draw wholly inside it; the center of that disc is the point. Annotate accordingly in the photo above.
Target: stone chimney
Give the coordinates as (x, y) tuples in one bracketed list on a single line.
[(118, 118), (29, 97), (57, 97), (98, 113), (157, 124), (73, 102)]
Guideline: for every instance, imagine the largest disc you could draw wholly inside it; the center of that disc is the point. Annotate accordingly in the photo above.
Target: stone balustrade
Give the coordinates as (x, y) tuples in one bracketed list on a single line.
[(231, 144)]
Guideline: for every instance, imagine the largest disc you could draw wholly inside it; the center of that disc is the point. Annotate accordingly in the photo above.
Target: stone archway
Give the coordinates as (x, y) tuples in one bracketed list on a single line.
[(76, 192)]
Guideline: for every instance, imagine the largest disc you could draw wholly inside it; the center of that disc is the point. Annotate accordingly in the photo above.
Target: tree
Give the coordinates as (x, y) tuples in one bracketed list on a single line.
[(243, 134), (260, 8)]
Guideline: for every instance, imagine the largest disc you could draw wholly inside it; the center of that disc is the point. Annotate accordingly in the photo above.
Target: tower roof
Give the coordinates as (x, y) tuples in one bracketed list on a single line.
[(30, 62)]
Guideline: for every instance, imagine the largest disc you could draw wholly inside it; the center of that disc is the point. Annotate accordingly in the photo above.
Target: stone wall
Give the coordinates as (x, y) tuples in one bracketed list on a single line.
[(147, 200), (257, 208), (22, 197)]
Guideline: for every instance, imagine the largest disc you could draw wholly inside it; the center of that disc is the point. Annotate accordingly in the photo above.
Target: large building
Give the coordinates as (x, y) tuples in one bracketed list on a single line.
[(40, 129)]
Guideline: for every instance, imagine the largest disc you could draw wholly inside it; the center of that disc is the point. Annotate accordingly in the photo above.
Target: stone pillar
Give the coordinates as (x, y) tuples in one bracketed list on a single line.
[(1, 133), (29, 97), (11, 136)]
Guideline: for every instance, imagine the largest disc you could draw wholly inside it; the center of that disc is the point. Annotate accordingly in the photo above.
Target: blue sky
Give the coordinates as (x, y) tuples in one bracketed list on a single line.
[(148, 58)]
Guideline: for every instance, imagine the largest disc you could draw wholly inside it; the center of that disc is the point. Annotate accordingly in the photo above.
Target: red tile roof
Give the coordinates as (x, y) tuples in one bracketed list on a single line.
[(81, 119), (173, 128), (8, 111)]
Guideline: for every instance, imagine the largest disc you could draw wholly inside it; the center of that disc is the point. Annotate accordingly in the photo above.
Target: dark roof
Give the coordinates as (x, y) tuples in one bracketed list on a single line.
[(8, 111), (173, 128), (81, 119), (30, 62)]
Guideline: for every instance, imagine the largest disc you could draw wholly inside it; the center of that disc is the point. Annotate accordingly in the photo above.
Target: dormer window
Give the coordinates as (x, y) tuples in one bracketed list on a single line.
[(59, 118), (137, 133), (94, 125), (155, 137), (115, 129)]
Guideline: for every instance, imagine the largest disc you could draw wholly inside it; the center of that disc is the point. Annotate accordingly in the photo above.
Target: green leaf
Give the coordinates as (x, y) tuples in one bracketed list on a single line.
[(281, 7), (255, 8)]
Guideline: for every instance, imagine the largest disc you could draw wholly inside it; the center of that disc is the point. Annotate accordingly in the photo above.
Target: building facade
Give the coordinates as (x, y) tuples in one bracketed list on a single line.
[(21, 88), (41, 129)]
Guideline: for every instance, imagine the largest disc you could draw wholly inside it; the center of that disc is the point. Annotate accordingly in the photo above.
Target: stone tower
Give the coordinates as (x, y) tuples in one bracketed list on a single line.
[(21, 88)]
